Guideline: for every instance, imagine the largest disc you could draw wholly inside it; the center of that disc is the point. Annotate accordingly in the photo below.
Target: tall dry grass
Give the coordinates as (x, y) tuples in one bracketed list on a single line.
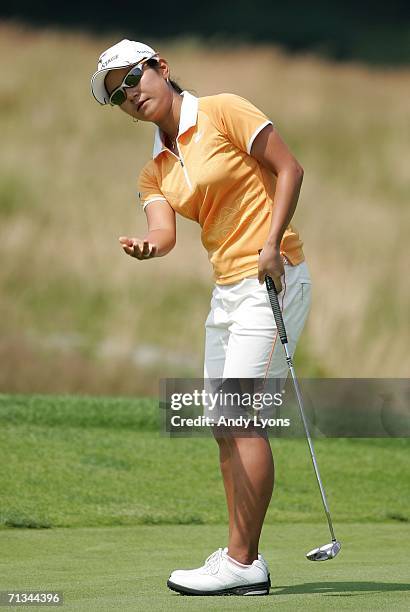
[(68, 172)]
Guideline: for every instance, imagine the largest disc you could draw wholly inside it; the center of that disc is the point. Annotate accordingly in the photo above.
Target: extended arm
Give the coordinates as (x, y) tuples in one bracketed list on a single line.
[(161, 236)]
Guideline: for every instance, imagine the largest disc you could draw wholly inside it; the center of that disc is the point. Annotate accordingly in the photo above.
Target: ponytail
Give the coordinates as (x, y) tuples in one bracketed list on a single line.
[(153, 63)]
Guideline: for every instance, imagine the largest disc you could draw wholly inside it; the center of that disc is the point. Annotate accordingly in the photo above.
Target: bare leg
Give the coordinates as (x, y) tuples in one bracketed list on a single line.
[(248, 474), (225, 461)]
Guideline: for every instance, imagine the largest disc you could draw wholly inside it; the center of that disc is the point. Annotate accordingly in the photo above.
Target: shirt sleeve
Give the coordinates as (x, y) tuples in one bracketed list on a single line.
[(239, 120), (148, 188)]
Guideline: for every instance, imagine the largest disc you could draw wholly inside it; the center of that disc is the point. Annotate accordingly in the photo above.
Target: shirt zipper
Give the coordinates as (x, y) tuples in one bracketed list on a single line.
[(181, 159)]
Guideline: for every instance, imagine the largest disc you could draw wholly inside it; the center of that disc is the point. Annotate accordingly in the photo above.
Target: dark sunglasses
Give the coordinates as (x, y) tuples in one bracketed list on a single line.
[(131, 79)]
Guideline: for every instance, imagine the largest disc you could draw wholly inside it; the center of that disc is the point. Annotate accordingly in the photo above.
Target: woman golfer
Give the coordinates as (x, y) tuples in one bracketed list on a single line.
[(219, 161)]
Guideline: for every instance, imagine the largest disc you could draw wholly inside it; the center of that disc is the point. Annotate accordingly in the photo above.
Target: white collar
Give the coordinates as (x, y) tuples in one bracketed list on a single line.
[(188, 117)]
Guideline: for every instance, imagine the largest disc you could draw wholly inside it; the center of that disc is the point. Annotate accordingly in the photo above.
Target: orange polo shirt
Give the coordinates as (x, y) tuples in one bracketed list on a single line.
[(217, 183)]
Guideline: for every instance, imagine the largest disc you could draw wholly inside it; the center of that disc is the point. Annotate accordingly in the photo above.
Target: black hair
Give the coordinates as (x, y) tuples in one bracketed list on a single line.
[(153, 63)]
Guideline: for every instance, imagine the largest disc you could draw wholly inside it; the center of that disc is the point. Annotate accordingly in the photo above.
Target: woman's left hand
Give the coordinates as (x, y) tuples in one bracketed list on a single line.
[(271, 264)]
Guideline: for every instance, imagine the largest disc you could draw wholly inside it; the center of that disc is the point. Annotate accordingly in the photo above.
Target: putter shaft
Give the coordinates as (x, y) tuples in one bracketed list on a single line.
[(273, 298)]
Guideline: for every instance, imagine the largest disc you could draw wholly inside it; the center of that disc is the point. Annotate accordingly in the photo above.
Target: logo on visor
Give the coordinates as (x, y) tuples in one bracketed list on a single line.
[(104, 64)]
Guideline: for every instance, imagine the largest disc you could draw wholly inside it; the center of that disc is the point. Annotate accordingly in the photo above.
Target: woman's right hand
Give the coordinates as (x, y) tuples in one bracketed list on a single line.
[(140, 249)]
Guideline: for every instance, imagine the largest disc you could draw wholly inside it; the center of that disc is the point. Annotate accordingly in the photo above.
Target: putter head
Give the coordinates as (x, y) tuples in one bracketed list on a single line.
[(325, 552)]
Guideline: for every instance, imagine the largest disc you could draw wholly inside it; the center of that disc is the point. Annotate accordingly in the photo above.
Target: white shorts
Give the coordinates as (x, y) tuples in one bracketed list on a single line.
[(241, 336)]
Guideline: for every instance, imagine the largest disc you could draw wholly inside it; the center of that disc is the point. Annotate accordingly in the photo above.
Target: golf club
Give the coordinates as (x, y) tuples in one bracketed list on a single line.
[(327, 551)]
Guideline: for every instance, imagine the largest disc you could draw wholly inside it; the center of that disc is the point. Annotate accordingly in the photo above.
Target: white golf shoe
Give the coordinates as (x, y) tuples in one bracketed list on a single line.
[(221, 575)]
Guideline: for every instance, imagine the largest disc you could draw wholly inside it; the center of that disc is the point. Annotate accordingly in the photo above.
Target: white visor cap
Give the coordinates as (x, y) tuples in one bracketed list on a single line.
[(123, 54)]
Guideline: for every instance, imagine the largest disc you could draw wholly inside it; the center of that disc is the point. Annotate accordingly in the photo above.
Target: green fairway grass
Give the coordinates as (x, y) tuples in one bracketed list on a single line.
[(96, 503), (75, 462), (126, 568)]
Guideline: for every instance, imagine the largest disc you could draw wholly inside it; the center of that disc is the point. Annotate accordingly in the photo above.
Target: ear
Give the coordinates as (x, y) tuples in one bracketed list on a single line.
[(164, 67)]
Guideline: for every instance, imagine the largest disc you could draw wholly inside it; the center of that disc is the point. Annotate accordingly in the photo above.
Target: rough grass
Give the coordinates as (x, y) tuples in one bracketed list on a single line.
[(68, 172), (75, 462)]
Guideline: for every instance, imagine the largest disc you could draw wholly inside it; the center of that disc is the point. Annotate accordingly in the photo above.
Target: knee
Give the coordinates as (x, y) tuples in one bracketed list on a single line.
[(222, 436)]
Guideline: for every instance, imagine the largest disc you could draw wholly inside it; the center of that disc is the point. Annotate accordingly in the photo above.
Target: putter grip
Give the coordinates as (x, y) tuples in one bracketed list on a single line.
[(274, 302)]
